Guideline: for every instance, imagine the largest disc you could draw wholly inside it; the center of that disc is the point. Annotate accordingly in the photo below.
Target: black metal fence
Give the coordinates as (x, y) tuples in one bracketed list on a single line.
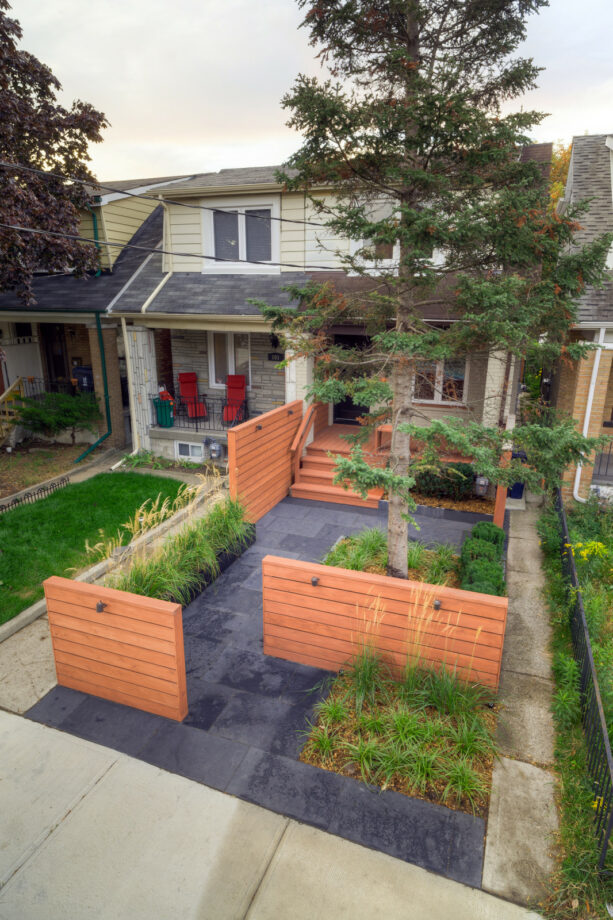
[(603, 465), (198, 413), (599, 759), (28, 498), (36, 387)]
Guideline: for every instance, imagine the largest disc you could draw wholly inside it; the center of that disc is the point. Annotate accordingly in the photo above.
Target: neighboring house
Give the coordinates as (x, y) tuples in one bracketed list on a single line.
[(584, 389), (55, 341), (188, 313)]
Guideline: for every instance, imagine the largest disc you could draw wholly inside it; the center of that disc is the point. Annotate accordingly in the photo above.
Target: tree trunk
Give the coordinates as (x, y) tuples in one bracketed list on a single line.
[(400, 455)]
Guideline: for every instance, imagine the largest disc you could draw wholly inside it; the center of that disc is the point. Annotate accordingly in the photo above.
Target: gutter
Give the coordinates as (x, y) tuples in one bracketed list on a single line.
[(588, 412)]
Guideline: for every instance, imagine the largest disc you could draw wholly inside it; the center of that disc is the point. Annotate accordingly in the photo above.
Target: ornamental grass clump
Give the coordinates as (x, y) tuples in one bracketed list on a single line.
[(367, 552), (188, 561), (429, 734)]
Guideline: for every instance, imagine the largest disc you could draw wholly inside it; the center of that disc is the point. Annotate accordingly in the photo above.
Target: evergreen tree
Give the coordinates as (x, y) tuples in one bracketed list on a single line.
[(408, 131)]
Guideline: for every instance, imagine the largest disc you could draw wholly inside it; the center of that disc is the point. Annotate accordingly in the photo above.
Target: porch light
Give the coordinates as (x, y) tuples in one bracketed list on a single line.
[(482, 484)]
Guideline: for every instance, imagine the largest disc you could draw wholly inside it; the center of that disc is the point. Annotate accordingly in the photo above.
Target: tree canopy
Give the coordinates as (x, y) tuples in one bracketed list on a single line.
[(36, 131), (407, 153)]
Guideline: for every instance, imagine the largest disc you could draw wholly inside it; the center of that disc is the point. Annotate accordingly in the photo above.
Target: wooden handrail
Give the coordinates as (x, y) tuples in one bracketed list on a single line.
[(300, 440)]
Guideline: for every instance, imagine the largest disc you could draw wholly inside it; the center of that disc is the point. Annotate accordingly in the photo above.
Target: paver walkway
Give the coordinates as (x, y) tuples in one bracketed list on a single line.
[(88, 832), (242, 734), (522, 816)]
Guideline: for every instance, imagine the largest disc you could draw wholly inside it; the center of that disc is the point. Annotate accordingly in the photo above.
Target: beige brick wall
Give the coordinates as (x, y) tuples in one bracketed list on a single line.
[(190, 353)]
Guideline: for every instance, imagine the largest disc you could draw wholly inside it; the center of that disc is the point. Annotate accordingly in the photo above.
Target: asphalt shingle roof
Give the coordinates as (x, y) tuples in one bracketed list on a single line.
[(201, 294), (591, 179), (225, 178), (90, 294)]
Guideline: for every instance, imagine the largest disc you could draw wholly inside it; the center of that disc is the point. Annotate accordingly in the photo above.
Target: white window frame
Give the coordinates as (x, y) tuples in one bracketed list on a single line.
[(229, 354), (241, 205), (438, 387), (189, 444)]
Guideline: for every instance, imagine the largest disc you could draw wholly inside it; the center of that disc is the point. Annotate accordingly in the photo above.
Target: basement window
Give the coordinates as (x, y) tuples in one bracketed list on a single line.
[(193, 452)]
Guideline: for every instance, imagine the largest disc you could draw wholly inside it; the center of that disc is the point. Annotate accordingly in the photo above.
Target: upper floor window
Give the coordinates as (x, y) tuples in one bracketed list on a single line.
[(241, 236)]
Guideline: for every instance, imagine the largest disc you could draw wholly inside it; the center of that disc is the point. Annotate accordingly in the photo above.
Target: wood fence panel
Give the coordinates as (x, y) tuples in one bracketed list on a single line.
[(321, 615), (130, 652), (259, 460)]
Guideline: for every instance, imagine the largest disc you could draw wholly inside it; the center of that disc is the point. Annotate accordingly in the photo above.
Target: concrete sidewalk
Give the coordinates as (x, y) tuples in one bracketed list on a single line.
[(88, 832)]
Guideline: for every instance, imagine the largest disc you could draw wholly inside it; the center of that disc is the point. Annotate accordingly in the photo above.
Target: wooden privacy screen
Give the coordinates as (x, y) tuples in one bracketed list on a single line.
[(130, 652), (259, 460), (326, 623)]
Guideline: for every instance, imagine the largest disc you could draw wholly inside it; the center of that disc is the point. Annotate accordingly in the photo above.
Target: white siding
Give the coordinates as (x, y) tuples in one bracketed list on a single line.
[(183, 228), (293, 236), (122, 219), (321, 245)]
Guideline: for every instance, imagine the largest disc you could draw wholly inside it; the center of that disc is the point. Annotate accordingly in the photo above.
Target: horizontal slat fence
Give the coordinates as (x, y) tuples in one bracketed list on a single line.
[(130, 652), (321, 615), (259, 459)]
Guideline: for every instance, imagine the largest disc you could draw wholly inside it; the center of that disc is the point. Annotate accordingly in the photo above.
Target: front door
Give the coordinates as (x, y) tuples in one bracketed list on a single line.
[(347, 412), (54, 343)]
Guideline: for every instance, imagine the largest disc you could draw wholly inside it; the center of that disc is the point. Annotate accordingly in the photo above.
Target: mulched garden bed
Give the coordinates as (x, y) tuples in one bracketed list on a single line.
[(34, 461), (401, 740), (476, 505)]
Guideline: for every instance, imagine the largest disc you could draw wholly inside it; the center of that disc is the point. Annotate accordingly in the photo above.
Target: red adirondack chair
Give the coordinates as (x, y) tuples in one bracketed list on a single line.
[(235, 406), (189, 396)]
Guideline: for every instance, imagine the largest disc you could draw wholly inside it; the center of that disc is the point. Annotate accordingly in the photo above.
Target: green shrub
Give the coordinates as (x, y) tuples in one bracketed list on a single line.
[(475, 548), (486, 530), (481, 572), (55, 412), (455, 481)]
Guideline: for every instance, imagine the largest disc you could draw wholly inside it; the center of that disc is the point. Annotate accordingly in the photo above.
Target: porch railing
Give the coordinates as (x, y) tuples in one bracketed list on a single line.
[(198, 413), (599, 759)]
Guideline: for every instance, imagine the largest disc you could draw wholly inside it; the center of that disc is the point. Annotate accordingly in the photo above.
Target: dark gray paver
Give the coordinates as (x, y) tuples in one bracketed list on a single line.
[(195, 754), (248, 712), (56, 706), (119, 727)]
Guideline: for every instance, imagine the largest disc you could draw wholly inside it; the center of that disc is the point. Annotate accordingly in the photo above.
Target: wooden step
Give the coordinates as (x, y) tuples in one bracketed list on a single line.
[(335, 494)]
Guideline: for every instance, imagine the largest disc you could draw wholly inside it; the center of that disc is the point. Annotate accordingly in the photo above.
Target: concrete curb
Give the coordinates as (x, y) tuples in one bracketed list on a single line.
[(95, 572), (68, 473)]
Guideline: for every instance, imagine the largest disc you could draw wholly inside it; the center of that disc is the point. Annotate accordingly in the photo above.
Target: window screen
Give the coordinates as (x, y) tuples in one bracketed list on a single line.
[(225, 225), (241, 355), (220, 357), (425, 380), (453, 380), (257, 231)]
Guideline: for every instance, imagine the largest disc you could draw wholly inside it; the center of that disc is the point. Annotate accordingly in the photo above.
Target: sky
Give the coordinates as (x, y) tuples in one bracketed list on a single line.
[(196, 85)]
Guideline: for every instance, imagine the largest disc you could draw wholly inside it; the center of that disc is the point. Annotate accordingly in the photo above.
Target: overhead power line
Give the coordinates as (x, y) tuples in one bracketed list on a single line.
[(158, 200), (168, 252)]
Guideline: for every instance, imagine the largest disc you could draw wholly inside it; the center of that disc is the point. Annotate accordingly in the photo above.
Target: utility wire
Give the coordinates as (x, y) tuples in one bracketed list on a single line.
[(181, 204), (167, 252)]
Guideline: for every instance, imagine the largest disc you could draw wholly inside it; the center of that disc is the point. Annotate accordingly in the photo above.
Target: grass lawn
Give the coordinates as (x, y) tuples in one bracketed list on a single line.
[(34, 461), (429, 735), (48, 537)]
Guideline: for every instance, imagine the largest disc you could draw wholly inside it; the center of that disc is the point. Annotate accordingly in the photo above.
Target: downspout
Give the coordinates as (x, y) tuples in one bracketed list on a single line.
[(96, 237), (105, 383), (588, 411)]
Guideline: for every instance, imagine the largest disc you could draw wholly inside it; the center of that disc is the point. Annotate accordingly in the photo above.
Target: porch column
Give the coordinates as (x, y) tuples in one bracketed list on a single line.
[(494, 384), (142, 382), (109, 341), (572, 398), (298, 378)]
